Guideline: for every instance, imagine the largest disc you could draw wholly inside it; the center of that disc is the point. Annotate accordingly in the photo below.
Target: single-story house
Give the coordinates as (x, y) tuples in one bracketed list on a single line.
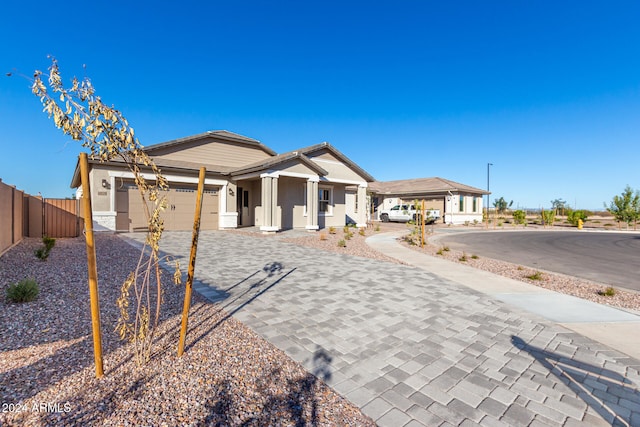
[(458, 203), (246, 184)]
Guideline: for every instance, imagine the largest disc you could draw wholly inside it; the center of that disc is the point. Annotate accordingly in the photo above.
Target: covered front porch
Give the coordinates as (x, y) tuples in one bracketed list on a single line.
[(293, 192)]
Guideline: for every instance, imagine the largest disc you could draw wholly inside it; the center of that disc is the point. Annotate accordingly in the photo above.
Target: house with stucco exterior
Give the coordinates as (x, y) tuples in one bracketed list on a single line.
[(246, 184), (458, 203)]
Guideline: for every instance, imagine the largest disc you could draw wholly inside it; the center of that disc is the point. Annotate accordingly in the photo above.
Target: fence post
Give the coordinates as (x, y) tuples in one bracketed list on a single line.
[(92, 264)]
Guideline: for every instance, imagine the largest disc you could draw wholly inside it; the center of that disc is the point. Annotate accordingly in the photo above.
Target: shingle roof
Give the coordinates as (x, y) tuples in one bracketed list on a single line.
[(422, 185)]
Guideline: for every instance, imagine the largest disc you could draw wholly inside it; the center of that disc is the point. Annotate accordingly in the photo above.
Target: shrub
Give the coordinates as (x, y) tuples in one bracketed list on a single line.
[(43, 253), (332, 230), (535, 276), (475, 257), (49, 242), (608, 292), (574, 216), (342, 243), (24, 291), (323, 236), (519, 216), (463, 258), (361, 231), (377, 227)]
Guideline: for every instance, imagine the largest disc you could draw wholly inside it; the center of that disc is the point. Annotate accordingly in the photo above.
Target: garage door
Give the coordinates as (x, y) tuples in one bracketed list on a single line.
[(181, 201), (182, 206)]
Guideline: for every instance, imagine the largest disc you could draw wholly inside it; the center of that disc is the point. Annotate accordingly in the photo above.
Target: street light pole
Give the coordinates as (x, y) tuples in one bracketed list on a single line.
[(488, 165)]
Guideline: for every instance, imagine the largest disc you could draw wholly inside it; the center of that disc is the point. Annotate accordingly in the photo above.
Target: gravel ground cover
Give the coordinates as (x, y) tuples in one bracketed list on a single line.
[(227, 376), (557, 282)]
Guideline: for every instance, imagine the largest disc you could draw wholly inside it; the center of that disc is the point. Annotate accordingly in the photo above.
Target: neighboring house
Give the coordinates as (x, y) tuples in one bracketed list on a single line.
[(458, 203), (246, 184)]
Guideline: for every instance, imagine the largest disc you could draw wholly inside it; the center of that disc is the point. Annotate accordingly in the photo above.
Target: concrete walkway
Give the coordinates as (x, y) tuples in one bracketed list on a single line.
[(414, 346)]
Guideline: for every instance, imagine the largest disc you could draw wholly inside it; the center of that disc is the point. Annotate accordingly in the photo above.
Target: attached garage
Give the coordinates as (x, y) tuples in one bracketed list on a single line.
[(179, 215)]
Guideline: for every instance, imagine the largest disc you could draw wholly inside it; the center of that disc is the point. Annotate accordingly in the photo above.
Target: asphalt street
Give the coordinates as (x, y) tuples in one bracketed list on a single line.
[(611, 258)]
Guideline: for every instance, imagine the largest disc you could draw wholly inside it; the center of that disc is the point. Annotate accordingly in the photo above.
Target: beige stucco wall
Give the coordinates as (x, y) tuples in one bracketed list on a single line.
[(336, 169), (291, 201), (100, 197), (212, 152)]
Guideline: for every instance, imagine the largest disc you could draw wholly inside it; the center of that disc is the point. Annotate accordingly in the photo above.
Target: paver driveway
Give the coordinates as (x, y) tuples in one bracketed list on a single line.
[(407, 346)]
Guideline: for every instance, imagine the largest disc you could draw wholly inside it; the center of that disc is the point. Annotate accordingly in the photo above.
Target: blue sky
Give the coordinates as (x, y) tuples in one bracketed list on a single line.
[(548, 92)]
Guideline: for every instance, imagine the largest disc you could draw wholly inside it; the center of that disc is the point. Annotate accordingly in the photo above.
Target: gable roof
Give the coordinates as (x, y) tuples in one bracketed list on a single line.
[(344, 159), (279, 160), (218, 134), (423, 185)]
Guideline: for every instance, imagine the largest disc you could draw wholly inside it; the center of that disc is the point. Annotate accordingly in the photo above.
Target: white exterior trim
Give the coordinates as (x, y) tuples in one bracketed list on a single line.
[(278, 174), (170, 178)]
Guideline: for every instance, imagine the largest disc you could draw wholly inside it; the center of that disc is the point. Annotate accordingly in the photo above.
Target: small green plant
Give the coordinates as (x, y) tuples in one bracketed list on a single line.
[(519, 217), (535, 276), (361, 231), (342, 243), (574, 216), (446, 248), (440, 252), (24, 291), (377, 227), (520, 268), (474, 256), (463, 258), (347, 236), (608, 292), (43, 253), (346, 229), (332, 230)]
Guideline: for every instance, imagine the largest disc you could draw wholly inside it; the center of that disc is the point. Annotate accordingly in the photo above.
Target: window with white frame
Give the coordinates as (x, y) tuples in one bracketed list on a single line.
[(461, 203), (325, 200)]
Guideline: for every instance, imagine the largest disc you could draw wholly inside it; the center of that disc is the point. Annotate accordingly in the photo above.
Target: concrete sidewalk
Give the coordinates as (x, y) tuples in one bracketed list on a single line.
[(619, 329), (409, 346)]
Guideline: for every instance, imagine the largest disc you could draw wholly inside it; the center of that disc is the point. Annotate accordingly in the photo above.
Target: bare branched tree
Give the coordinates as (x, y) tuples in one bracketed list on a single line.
[(102, 129)]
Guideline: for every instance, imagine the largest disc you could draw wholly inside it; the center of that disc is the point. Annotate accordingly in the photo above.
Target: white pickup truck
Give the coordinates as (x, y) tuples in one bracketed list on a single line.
[(404, 213)]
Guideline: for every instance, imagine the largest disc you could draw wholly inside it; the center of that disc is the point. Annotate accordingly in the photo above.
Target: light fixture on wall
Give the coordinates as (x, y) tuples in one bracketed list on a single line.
[(105, 184), (231, 193)]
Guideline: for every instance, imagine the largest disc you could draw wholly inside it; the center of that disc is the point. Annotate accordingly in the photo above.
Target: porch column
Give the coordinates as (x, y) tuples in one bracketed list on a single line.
[(312, 204), (269, 204), (361, 216)]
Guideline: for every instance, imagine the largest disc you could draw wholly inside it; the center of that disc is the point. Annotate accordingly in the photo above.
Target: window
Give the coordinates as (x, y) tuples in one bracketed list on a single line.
[(461, 203), (325, 200), (475, 204)]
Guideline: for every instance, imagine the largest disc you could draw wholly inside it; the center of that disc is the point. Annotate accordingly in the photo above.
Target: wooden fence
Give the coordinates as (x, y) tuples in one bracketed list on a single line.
[(23, 215)]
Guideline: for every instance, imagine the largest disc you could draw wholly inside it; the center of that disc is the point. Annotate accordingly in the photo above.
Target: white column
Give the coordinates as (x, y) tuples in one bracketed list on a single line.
[(275, 214), (269, 204), (361, 220), (312, 204)]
